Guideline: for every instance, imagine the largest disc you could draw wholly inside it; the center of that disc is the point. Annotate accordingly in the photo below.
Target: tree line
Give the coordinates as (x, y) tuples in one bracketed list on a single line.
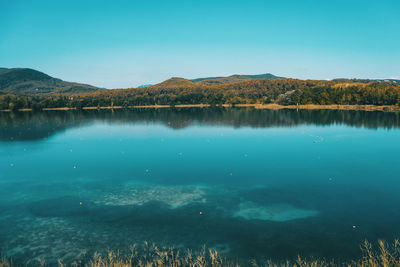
[(279, 91)]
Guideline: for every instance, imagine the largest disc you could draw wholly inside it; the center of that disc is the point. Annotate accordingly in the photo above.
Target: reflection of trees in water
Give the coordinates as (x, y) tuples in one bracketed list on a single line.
[(40, 125), (35, 126)]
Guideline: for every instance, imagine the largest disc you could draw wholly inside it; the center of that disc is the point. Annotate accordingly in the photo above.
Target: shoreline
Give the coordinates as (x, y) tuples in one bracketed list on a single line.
[(256, 106)]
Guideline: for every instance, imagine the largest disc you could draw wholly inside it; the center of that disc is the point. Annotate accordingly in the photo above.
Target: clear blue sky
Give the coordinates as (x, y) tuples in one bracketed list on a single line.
[(116, 44)]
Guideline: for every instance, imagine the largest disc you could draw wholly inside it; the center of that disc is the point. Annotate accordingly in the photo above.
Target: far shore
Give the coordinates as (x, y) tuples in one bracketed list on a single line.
[(256, 106)]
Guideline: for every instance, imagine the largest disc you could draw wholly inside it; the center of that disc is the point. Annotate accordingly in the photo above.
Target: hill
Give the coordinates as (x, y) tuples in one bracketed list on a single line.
[(29, 81), (175, 82), (235, 78), (179, 91)]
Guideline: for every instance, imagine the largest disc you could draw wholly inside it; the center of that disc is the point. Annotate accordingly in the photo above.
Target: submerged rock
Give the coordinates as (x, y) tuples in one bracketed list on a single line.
[(279, 212), (173, 196)]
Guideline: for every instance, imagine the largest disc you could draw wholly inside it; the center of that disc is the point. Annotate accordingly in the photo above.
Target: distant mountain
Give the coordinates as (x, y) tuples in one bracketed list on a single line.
[(235, 78), (29, 81), (144, 85)]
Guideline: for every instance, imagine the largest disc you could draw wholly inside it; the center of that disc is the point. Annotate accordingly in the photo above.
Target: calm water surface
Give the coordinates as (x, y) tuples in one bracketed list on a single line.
[(250, 183)]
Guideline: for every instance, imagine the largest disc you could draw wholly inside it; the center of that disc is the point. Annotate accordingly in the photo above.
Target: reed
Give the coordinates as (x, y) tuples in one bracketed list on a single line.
[(382, 255)]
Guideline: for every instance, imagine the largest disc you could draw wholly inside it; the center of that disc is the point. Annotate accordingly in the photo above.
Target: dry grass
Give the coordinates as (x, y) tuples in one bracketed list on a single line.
[(151, 255), (383, 255), (5, 262)]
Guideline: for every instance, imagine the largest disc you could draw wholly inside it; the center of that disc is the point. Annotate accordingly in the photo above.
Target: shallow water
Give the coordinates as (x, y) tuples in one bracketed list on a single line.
[(251, 183)]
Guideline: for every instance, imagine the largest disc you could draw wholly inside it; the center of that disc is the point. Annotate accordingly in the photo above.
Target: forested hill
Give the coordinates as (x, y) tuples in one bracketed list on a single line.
[(177, 91), (235, 78), (32, 82)]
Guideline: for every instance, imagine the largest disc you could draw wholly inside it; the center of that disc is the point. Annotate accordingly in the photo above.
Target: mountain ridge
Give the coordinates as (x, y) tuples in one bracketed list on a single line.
[(30, 81), (26, 81), (235, 78)]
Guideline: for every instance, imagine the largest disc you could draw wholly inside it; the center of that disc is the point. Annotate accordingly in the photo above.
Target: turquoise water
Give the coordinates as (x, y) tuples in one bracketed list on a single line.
[(250, 183)]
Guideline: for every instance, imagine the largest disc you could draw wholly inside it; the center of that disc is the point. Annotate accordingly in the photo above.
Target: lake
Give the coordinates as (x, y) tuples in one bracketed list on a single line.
[(249, 183)]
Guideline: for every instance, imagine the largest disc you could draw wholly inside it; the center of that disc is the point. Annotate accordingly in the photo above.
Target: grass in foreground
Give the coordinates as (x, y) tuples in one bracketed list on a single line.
[(151, 256)]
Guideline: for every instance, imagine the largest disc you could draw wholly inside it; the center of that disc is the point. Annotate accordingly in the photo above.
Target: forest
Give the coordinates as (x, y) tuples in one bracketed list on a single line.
[(176, 91)]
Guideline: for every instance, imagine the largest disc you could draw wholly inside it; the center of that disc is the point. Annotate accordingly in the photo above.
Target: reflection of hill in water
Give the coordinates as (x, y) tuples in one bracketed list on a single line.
[(39, 125)]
